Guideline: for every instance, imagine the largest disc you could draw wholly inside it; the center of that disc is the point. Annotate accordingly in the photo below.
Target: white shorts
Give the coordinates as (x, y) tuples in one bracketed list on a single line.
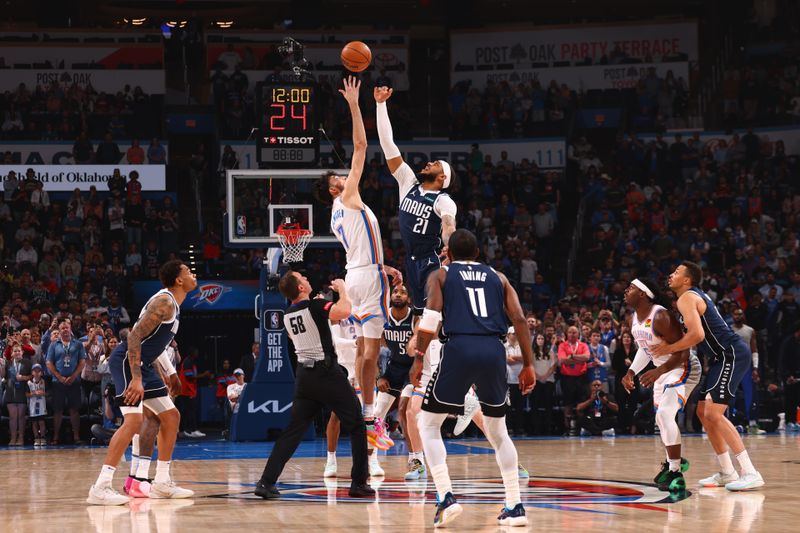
[(156, 405), (679, 382), (407, 391), (368, 289), (429, 365)]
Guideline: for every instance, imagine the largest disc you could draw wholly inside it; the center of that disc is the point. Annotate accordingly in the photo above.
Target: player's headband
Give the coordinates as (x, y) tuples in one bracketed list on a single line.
[(447, 171), (643, 287)]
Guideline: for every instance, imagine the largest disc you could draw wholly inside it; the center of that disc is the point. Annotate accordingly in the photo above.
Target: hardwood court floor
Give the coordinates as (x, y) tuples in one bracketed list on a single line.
[(576, 485)]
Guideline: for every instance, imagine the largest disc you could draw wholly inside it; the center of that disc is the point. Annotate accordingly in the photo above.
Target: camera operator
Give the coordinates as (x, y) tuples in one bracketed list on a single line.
[(597, 414)]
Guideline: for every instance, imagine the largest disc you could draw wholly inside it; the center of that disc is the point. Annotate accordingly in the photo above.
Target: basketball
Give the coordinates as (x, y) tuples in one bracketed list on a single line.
[(356, 56)]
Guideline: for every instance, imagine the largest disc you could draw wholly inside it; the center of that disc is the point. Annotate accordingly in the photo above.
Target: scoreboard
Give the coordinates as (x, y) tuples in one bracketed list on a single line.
[(288, 124)]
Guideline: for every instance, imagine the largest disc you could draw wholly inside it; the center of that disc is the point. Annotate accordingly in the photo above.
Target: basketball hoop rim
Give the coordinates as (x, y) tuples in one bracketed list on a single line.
[(292, 236)]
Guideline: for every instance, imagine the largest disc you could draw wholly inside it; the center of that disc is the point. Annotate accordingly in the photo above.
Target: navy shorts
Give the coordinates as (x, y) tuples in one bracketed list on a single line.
[(417, 271), (726, 373), (397, 376), (121, 374), (469, 360)]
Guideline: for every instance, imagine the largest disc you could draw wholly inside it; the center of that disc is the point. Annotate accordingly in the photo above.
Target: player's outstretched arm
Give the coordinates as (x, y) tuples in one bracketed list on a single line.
[(527, 377), (159, 310), (385, 134), (688, 306), (351, 196), (666, 327)]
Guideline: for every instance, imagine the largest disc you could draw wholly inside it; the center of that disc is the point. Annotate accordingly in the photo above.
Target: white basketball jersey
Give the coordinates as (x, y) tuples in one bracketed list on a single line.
[(344, 338), (359, 233), (645, 337)]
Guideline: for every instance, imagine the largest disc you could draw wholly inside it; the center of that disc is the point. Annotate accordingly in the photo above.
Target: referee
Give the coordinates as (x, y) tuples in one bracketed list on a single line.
[(320, 382)]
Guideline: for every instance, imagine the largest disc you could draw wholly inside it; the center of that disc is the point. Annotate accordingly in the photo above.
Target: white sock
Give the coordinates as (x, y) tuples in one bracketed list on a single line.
[(411, 456), (441, 478), (725, 463), (744, 461), (674, 465), (143, 472), (511, 484), (134, 454), (373, 458), (421, 457), (106, 476), (383, 404), (369, 410), (332, 457), (162, 472)]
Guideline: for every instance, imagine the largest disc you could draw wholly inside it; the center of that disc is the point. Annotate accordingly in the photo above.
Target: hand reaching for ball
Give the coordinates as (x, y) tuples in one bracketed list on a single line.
[(382, 94), (351, 89)]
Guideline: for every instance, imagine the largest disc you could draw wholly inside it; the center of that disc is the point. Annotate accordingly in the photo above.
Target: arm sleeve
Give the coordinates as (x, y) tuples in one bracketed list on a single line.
[(640, 361), (165, 364), (385, 134), (444, 205)]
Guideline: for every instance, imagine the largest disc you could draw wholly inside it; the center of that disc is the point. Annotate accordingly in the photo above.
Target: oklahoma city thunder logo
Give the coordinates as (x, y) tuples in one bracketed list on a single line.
[(210, 293), (541, 491)]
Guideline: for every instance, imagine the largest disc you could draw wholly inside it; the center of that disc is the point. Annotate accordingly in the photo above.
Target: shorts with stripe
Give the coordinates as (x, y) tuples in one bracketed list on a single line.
[(468, 360), (417, 271), (725, 373), (368, 289), (153, 385), (430, 363), (679, 382)]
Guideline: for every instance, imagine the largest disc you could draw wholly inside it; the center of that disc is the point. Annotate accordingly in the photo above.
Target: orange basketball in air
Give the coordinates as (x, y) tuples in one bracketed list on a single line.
[(356, 56)]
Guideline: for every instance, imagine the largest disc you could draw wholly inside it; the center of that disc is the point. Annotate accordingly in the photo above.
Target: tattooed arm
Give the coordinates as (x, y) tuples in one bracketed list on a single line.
[(159, 310)]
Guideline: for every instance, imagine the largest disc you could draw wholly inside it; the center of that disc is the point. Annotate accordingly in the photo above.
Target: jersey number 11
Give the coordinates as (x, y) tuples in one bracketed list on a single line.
[(477, 300)]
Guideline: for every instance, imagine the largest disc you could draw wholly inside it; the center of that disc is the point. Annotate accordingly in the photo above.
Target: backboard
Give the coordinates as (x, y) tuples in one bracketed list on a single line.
[(258, 201)]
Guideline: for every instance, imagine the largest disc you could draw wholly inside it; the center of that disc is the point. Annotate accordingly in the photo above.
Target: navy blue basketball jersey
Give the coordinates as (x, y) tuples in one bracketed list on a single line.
[(157, 341), (474, 302), (719, 335), (396, 333), (420, 226)]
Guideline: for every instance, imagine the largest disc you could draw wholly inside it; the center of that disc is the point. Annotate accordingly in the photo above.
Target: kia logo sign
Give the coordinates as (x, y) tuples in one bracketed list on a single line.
[(269, 407)]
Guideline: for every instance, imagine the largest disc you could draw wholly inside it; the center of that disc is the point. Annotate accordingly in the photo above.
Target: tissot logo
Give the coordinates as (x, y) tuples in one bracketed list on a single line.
[(289, 140), (268, 407)]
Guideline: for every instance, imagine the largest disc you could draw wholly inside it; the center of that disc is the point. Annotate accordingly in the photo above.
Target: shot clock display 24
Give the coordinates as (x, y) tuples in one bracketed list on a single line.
[(289, 128)]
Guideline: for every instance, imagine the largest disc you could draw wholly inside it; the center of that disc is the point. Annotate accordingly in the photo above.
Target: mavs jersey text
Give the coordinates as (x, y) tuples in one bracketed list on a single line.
[(420, 218), (396, 334)]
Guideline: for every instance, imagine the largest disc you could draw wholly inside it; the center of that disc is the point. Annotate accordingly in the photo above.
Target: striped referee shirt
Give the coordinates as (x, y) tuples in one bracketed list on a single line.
[(306, 323)]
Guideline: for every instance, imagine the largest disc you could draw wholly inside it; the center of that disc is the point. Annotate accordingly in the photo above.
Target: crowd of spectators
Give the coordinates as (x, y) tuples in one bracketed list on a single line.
[(67, 266), (764, 92), (61, 110)]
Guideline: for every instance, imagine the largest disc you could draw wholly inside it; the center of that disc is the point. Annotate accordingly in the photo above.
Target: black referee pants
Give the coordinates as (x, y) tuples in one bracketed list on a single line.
[(316, 388)]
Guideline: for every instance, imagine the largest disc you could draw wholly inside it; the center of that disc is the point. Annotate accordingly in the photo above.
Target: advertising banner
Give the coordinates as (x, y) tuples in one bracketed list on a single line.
[(576, 78), (790, 137), (545, 152), (71, 177), (64, 55), (57, 152), (210, 295), (108, 81), (644, 41)]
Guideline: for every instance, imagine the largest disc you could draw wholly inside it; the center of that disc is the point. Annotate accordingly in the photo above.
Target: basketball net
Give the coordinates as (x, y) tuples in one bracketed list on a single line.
[(293, 242)]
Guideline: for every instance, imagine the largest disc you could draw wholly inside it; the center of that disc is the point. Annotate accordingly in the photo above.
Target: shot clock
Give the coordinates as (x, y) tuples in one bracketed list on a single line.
[(288, 132)]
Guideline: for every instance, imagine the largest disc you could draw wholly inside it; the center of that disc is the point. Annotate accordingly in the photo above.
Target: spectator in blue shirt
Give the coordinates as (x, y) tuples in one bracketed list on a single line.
[(156, 155), (599, 361), (66, 358)]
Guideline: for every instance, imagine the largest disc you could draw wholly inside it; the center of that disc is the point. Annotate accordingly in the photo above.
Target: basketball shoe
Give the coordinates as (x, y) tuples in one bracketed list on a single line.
[(719, 480), (471, 406), (673, 482), (376, 435), (513, 517), (522, 472), (168, 490), (746, 482), (139, 488), (330, 469), (416, 470), (662, 474), (447, 510), (375, 469), (105, 496)]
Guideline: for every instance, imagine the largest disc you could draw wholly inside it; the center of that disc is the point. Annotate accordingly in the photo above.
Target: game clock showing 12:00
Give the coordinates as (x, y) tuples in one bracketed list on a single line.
[(288, 134)]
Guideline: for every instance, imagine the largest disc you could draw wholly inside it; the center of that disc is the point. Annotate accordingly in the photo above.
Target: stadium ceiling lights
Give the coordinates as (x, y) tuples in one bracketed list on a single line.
[(135, 22), (224, 24), (176, 24)]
